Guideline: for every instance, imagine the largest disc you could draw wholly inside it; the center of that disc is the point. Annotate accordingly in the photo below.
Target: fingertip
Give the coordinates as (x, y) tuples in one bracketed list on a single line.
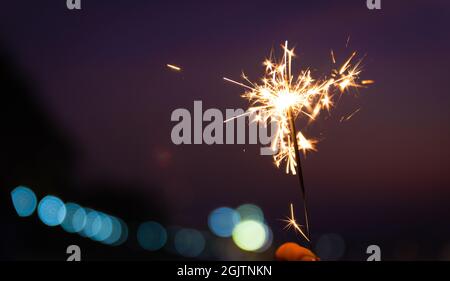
[(293, 252)]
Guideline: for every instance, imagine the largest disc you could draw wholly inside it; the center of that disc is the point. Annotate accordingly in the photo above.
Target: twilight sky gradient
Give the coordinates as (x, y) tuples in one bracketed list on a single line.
[(381, 177)]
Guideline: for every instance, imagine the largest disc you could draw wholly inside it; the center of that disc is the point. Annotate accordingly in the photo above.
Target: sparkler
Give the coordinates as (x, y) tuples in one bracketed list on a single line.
[(281, 99)]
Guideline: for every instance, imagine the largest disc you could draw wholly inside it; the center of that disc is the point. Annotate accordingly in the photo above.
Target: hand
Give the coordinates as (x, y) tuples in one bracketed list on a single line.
[(293, 252)]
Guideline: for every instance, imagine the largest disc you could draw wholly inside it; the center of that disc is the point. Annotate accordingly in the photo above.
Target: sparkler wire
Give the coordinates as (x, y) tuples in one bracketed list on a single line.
[(281, 98), (299, 170)]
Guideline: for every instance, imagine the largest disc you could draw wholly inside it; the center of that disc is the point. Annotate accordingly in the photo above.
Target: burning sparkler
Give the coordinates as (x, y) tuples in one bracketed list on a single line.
[(281, 99)]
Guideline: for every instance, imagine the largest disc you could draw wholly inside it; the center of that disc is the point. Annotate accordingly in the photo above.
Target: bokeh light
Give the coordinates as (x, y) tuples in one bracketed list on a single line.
[(151, 236), (189, 242), (93, 224), (250, 235), (172, 230), (330, 247), (250, 212), (51, 210), (222, 221), (24, 201), (116, 232), (106, 228), (75, 219), (268, 241), (123, 233), (72, 217)]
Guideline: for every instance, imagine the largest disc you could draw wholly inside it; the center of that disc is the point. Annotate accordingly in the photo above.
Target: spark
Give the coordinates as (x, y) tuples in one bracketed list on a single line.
[(292, 223), (327, 103), (174, 67), (351, 115), (367, 82), (281, 98)]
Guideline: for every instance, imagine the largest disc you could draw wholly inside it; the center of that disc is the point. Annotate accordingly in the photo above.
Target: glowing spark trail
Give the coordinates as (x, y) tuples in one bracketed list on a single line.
[(333, 59), (291, 222), (351, 115), (367, 82), (281, 98), (174, 67)]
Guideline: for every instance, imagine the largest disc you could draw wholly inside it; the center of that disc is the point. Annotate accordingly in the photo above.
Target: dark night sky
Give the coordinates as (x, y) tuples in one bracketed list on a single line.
[(381, 177)]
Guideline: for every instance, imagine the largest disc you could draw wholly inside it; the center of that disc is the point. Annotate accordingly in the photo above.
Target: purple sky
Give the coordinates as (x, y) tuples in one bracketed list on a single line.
[(101, 76)]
